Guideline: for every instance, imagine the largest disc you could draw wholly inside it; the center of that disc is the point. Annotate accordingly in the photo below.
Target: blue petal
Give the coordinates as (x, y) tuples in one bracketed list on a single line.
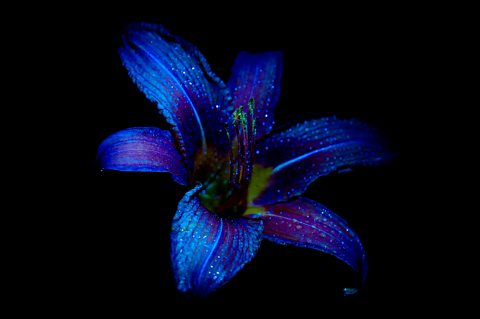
[(142, 149), (207, 251), (306, 223), (173, 74), (257, 76), (301, 154)]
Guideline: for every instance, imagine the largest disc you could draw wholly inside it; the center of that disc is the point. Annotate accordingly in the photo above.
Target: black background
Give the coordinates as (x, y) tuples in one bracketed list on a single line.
[(112, 242)]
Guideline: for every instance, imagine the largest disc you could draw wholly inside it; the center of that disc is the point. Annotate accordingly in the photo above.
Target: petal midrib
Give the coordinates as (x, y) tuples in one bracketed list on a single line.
[(209, 257), (197, 117), (303, 156)]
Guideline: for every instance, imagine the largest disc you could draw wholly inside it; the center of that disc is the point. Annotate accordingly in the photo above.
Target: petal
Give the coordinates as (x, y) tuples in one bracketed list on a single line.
[(174, 74), (257, 76), (142, 149), (207, 251), (306, 223), (301, 154)]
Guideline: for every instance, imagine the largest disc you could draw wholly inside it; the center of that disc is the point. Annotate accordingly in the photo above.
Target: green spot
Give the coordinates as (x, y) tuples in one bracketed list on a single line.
[(254, 211), (251, 109), (214, 194), (258, 183), (243, 119), (237, 114), (251, 106)]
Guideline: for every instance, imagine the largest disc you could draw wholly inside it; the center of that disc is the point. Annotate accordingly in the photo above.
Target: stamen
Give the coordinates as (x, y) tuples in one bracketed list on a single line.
[(241, 160), (244, 123), (251, 130), (230, 159)]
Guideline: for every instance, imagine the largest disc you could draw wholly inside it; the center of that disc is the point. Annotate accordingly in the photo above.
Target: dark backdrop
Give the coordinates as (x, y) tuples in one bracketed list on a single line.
[(350, 62)]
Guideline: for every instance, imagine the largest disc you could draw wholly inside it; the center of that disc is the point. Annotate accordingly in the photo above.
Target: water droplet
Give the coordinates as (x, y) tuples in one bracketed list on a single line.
[(349, 291)]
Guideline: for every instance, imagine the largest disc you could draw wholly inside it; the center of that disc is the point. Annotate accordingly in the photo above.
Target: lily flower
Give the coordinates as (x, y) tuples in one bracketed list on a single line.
[(244, 181)]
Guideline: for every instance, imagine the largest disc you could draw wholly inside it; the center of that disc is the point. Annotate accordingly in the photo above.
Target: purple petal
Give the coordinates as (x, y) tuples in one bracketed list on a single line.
[(301, 154), (174, 74), (257, 76), (207, 251), (142, 149), (306, 223)]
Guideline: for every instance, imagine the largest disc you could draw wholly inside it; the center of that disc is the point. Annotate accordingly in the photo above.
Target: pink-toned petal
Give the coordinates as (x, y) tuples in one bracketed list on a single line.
[(306, 223), (142, 149)]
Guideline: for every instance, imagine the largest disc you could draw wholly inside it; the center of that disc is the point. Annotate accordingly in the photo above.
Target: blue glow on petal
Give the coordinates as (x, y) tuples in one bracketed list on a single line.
[(315, 148), (258, 76), (301, 157), (187, 97), (174, 74), (207, 250), (142, 149)]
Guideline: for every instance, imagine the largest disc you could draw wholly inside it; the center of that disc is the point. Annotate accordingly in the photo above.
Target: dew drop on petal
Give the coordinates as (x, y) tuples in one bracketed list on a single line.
[(349, 291)]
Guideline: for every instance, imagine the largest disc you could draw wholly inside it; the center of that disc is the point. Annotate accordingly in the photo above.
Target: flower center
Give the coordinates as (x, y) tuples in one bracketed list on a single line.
[(226, 192)]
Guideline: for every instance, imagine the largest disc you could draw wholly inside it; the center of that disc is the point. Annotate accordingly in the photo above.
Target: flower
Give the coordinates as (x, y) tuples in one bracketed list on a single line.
[(244, 180)]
